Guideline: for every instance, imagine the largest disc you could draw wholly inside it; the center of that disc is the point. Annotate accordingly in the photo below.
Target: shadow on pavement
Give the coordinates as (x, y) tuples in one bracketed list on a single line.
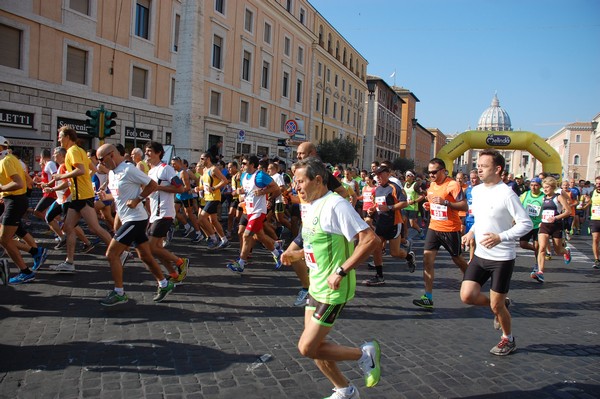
[(567, 389)]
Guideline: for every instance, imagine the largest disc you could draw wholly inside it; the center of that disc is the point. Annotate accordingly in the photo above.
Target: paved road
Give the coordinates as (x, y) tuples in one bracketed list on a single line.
[(208, 338)]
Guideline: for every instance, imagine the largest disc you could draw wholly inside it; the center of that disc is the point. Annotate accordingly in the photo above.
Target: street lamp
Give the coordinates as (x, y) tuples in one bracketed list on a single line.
[(566, 161), (371, 85)]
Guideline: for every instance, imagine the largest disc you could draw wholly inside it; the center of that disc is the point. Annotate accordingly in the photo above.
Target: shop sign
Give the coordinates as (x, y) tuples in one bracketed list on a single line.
[(144, 134), (77, 124), (16, 118)]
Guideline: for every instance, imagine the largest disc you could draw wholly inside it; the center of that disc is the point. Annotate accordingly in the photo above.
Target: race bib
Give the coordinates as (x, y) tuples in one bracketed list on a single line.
[(249, 200), (309, 257), (368, 196), (438, 212), (303, 209), (596, 211), (546, 215), (533, 210), (380, 201)]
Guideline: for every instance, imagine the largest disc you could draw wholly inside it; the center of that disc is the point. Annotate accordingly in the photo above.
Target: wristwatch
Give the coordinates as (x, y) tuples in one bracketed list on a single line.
[(340, 272), (446, 202), (141, 198)]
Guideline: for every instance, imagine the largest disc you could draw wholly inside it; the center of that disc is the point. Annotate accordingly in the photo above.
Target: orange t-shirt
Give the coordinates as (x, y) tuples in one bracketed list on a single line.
[(444, 218), (462, 214)]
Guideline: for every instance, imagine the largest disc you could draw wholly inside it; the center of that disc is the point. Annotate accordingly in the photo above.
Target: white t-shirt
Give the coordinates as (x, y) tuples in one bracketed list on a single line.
[(337, 216), (278, 179), (125, 183), (162, 204), (50, 168), (494, 209)]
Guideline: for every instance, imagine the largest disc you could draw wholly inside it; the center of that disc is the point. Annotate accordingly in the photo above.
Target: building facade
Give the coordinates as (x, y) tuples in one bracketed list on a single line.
[(574, 142)]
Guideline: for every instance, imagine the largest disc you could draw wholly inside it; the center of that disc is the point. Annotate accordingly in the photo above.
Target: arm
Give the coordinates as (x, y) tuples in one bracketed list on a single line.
[(148, 189), (15, 184), (79, 170)]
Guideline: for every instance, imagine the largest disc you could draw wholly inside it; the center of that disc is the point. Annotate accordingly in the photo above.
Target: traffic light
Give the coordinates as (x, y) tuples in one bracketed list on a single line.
[(109, 123), (93, 122), (282, 142)]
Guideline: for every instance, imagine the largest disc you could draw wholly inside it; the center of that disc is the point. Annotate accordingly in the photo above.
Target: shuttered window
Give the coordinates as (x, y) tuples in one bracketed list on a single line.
[(139, 82), (10, 46), (76, 65)]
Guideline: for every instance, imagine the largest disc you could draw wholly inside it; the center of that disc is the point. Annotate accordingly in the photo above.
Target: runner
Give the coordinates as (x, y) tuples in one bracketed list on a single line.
[(125, 182), (212, 183), (533, 201), (330, 226), (499, 220)]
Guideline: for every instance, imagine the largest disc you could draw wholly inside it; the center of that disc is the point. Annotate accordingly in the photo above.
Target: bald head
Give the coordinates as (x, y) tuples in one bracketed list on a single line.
[(305, 150), (108, 156)]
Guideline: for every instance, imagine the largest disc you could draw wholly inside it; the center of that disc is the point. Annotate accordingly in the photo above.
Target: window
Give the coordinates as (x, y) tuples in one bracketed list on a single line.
[(243, 148), (320, 69), (10, 46), (288, 5), (215, 103), (318, 102), (217, 56), (246, 62), (263, 117), (82, 6), (267, 33), (335, 80), (139, 83), (299, 91), (76, 65), (328, 75), (286, 82), (342, 113), (220, 6), (249, 21), (578, 138), (244, 107), (576, 160), (300, 55), (176, 33), (172, 91), (334, 110), (284, 119), (266, 72), (326, 106), (286, 46), (142, 18), (302, 16), (261, 150)]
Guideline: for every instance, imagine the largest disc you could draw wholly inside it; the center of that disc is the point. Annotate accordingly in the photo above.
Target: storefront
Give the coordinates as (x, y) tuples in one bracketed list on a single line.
[(136, 138), (86, 140)]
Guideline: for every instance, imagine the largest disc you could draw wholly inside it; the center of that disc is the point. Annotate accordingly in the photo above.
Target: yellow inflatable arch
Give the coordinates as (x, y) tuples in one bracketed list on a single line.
[(520, 140)]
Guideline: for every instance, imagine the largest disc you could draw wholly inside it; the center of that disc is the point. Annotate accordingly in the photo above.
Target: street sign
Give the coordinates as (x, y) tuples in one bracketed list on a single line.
[(287, 150), (241, 136), (291, 127)]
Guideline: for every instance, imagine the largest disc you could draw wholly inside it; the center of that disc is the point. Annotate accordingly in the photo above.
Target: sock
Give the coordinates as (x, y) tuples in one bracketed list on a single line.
[(379, 270), (213, 237), (408, 256), (198, 232), (429, 295), (346, 391), (26, 271), (187, 226), (223, 239), (174, 274), (179, 262), (33, 251), (241, 262), (119, 291), (364, 357), (163, 283), (304, 289), (275, 252), (509, 337)]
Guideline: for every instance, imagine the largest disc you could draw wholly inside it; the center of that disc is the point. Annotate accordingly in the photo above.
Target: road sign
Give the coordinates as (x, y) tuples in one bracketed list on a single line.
[(287, 150), (241, 136), (291, 127)]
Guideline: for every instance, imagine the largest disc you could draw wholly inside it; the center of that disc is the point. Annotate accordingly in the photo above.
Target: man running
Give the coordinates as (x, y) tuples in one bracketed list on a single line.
[(125, 182), (330, 226), (533, 202), (495, 207), (212, 183)]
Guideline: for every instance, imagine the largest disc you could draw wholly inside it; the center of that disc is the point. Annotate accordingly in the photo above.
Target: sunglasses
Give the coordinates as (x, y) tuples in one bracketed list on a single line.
[(433, 172), (104, 157)]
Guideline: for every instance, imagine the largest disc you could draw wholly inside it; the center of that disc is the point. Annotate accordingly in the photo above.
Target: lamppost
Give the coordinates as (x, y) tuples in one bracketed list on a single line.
[(413, 139), (566, 161)]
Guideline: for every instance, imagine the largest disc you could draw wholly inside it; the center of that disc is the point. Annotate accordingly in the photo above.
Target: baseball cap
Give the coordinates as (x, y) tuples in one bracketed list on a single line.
[(519, 177), (382, 169), (336, 173), (409, 173), (4, 141), (536, 180)]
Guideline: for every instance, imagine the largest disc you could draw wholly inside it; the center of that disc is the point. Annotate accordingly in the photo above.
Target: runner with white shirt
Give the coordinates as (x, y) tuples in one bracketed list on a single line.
[(125, 182), (495, 207)]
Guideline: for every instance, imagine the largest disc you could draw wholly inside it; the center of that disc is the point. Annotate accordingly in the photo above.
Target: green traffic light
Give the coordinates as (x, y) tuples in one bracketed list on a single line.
[(109, 123)]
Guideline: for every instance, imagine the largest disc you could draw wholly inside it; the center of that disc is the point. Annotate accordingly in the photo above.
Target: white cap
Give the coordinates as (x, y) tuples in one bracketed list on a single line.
[(4, 141)]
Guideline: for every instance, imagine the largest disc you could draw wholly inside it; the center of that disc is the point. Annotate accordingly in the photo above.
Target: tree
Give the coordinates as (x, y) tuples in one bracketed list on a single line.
[(403, 164), (338, 151)]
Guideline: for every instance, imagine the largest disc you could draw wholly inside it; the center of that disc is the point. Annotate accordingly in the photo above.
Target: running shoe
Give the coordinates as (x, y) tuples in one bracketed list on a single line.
[(183, 270), (4, 271), (64, 267), (507, 303), (422, 235), (39, 258), (539, 276), (277, 259), (411, 261), (301, 298), (407, 246), (62, 243), (548, 256), (22, 278), (424, 302), (567, 256), (223, 244), (188, 232), (169, 238), (596, 264), (198, 237), (125, 257), (212, 244), (337, 393), (87, 248), (568, 235), (161, 293), (374, 281), (228, 234), (113, 299), (235, 267), (504, 347), (371, 366), (371, 265), (279, 244)]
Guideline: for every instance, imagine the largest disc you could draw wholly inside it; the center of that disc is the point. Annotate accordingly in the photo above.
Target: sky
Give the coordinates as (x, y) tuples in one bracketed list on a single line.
[(541, 57)]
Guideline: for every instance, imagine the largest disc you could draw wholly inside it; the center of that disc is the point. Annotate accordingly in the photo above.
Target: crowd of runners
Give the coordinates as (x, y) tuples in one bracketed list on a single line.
[(322, 220)]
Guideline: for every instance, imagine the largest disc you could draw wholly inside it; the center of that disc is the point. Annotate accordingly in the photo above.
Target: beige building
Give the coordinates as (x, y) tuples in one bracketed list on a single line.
[(187, 73), (64, 57), (573, 142)]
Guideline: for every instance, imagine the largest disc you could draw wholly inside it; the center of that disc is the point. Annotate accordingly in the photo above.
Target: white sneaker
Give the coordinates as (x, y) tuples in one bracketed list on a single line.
[(125, 256), (301, 298), (63, 267), (337, 394)]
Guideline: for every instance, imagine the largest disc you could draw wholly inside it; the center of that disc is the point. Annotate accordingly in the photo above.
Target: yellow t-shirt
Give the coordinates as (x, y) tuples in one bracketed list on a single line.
[(10, 166), (208, 180), (81, 187)]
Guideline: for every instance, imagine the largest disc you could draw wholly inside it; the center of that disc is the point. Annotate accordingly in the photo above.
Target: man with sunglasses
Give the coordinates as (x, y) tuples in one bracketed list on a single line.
[(129, 187), (446, 198)]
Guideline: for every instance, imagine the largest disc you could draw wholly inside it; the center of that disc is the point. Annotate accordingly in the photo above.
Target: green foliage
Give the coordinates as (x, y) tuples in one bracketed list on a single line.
[(336, 151), (403, 164)]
